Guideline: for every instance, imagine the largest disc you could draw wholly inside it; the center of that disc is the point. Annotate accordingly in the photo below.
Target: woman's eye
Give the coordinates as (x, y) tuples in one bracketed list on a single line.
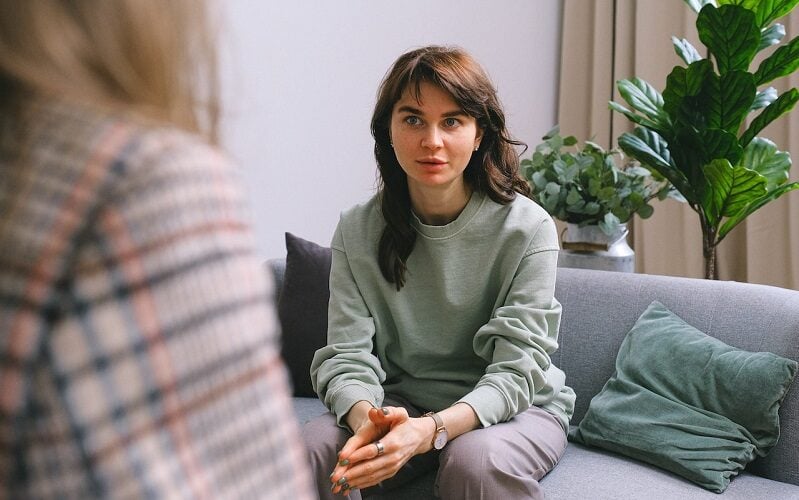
[(413, 120), (451, 122)]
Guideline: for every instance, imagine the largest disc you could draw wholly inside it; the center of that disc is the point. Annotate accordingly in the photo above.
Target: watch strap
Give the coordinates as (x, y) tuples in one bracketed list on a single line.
[(439, 426)]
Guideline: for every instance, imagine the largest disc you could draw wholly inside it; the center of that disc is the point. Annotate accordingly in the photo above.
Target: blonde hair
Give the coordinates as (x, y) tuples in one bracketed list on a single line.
[(155, 58)]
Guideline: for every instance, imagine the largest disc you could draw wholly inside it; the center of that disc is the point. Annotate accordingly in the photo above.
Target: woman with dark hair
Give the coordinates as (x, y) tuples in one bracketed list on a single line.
[(442, 314)]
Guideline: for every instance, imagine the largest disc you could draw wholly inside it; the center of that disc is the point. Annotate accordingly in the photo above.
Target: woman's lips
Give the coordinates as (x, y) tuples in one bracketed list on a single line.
[(432, 164)]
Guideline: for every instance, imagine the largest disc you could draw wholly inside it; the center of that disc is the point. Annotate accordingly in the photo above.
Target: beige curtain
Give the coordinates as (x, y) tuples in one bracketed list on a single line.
[(607, 40)]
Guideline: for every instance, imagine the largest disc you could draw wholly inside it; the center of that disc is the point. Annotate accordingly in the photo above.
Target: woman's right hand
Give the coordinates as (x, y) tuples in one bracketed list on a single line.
[(369, 424), (360, 465)]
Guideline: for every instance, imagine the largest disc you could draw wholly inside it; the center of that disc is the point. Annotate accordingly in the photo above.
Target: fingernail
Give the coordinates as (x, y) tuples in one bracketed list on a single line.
[(384, 410), (344, 462), (343, 480)]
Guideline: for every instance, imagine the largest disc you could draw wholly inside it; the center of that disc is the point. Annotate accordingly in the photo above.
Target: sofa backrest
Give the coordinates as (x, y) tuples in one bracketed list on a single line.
[(600, 307)]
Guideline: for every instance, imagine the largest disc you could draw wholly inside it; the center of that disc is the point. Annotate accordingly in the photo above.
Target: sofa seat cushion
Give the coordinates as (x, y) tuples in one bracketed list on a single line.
[(601, 475)]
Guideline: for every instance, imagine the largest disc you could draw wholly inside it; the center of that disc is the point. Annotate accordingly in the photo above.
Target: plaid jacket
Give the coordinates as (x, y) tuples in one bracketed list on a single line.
[(138, 357)]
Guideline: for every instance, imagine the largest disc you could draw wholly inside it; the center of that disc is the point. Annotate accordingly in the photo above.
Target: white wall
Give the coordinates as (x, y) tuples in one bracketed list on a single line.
[(300, 79)]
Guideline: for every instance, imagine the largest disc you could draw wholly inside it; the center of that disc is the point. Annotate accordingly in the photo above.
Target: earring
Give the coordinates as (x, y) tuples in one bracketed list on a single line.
[(477, 147)]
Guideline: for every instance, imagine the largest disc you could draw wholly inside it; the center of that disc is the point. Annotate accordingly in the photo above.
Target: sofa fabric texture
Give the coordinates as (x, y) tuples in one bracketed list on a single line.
[(599, 309)]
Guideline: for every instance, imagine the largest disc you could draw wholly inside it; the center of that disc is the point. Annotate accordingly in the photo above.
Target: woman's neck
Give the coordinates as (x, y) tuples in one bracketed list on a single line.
[(440, 206)]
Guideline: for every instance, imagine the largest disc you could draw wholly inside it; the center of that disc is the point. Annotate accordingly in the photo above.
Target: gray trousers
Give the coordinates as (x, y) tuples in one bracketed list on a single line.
[(502, 461)]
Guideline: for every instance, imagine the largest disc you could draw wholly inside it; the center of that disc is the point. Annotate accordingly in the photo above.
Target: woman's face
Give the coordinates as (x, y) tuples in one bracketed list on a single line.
[(433, 138)]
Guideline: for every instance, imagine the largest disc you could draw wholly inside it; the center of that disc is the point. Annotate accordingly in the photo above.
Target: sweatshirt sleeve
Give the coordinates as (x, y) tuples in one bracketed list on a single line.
[(520, 336), (345, 371)]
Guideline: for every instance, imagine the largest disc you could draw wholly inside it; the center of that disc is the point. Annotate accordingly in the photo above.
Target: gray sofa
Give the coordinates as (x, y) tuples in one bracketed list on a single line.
[(599, 308)]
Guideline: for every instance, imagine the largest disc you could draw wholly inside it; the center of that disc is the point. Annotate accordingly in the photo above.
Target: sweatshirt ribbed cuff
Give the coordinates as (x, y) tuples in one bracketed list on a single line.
[(346, 397), (489, 404)]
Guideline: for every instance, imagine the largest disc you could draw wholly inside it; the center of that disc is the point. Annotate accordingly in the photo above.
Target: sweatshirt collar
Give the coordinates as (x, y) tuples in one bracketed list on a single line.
[(448, 230)]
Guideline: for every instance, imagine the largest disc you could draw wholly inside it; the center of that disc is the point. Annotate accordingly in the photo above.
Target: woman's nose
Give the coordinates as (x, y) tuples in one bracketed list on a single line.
[(432, 138)]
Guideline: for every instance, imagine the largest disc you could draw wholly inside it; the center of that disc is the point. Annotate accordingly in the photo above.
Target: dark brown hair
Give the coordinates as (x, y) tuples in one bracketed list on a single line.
[(493, 169)]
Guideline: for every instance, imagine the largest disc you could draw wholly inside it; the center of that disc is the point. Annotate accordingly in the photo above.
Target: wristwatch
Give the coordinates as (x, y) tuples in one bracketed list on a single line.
[(440, 437)]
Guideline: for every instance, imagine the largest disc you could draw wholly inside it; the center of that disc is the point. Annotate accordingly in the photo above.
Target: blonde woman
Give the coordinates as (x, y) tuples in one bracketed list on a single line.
[(138, 356)]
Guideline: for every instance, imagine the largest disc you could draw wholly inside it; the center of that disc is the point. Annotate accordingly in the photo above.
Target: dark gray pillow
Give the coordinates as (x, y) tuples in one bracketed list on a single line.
[(302, 308)]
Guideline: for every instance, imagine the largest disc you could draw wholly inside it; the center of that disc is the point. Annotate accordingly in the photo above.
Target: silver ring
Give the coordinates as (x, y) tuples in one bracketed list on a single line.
[(380, 449)]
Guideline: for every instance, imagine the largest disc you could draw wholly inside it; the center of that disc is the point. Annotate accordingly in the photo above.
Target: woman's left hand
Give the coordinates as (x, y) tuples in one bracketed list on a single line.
[(361, 465)]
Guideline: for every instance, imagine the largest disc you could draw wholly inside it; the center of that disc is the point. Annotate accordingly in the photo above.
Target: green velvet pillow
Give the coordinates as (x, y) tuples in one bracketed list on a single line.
[(687, 402)]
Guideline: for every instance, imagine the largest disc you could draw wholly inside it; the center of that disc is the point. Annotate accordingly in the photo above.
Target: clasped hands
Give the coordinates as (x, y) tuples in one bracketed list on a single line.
[(361, 465)]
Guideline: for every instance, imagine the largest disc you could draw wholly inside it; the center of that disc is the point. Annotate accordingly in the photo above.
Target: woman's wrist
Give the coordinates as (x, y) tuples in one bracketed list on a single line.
[(426, 430), (358, 415)]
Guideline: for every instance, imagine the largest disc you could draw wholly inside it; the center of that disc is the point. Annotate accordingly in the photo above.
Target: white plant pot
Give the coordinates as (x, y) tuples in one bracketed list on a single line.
[(589, 248)]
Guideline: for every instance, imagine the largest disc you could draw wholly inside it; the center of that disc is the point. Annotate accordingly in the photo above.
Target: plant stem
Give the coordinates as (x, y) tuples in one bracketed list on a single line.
[(709, 244), (711, 272)]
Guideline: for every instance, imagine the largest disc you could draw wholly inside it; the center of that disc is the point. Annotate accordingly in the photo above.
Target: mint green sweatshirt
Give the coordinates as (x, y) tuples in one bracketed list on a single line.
[(476, 321)]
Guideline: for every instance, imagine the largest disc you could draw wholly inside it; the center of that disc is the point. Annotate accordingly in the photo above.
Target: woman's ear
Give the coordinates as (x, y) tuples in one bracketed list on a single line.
[(478, 138)]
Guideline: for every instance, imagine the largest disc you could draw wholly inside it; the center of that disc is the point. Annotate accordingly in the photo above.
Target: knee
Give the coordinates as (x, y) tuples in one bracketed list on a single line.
[(465, 459), (479, 468)]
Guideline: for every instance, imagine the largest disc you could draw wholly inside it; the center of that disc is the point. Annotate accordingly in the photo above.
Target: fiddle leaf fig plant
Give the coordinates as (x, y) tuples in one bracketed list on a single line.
[(696, 134), (584, 185)]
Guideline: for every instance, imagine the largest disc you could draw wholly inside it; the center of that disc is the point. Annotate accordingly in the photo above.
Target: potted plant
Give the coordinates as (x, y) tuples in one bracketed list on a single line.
[(584, 187), (695, 133)]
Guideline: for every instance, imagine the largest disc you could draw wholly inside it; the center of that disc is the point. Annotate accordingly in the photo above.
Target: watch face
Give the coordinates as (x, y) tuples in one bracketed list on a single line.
[(441, 440)]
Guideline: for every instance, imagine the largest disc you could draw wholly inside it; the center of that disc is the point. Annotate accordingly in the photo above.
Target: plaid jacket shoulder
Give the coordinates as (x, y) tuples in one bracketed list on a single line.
[(139, 354)]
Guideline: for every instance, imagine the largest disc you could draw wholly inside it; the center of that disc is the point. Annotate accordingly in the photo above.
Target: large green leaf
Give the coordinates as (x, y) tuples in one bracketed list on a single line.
[(685, 50), (782, 105), (652, 151), (651, 155), (728, 98), (633, 117), (762, 156), (681, 85), (752, 207), (718, 143), (689, 156), (644, 98), (783, 62), (765, 10), (764, 98), (771, 36), (729, 189), (656, 143), (719, 181), (731, 35)]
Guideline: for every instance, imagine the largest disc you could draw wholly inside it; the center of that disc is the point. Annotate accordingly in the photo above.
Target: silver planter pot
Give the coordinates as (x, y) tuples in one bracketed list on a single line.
[(589, 248)]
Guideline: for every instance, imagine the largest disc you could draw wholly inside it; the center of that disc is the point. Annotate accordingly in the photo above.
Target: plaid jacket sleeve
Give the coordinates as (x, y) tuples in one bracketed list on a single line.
[(139, 356)]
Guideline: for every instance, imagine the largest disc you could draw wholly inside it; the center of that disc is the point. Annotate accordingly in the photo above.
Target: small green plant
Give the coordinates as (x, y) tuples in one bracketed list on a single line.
[(585, 186)]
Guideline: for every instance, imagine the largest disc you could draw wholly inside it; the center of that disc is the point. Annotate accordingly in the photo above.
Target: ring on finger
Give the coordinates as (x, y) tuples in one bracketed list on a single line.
[(380, 448)]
